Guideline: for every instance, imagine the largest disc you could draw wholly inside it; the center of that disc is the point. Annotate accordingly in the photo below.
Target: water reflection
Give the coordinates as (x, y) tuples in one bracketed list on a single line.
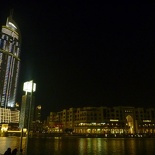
[(92, 145), (13, 142), (82, 146)]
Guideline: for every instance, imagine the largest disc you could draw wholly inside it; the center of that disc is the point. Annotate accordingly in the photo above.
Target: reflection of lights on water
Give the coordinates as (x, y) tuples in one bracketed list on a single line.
[(57, 137)]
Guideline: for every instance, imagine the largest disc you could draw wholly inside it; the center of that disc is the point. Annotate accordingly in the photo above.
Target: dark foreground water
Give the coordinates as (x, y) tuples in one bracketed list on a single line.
[(82, 146)]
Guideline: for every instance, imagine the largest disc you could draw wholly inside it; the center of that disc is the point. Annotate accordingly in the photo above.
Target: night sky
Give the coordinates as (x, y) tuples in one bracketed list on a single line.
[(86, 54)]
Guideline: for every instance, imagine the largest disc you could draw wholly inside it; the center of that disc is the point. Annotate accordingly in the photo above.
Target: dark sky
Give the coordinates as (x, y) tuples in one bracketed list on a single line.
[(86, 54)]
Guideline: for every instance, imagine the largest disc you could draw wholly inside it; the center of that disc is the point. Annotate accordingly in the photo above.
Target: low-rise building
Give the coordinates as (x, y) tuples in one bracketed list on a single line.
[(104, 120)]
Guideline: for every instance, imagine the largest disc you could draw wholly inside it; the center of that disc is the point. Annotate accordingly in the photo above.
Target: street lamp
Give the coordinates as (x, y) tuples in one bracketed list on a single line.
[(29, 87)]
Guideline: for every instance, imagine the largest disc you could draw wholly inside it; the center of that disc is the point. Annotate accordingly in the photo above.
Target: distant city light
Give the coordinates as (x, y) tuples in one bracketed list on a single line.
[(39, 107), (146, 120), (114, 120), (17, 104)]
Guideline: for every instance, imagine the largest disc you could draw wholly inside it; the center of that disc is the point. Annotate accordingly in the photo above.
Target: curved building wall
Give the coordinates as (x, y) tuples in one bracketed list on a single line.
[(9, 63)]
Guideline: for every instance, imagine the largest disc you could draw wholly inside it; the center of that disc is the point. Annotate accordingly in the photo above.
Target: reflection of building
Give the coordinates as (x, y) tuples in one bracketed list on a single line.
[(104, 120), (9, 70)]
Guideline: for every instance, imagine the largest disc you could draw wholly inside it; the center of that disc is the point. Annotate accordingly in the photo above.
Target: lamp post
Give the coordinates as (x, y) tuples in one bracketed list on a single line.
[(29, 87)]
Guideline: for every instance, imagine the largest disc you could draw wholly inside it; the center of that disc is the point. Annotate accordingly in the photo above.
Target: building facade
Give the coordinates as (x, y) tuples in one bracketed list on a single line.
[(104, 120), (9, 72), (9, 116), (9, 63)]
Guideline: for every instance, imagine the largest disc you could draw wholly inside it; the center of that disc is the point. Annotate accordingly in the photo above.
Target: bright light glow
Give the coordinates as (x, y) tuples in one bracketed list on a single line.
[(28, 86), (4, 127), (88, 130), (13, 131), (39, 107), (93, 123), (17, 104), (12, 25), (34, 87), (146, 120), (10, 104), (114, 120), (102, 123)]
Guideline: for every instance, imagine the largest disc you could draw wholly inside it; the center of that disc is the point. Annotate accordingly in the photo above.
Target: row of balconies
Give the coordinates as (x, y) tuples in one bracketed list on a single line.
[(107, 112), (97, 118), (99, 114)]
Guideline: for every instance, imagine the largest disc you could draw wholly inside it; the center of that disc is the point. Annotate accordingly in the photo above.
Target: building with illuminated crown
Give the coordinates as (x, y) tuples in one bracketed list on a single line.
[(9, 62), (10, 40)]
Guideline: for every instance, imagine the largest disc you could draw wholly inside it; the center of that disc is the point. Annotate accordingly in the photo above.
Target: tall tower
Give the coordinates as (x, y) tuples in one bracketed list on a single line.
[(9, 62)]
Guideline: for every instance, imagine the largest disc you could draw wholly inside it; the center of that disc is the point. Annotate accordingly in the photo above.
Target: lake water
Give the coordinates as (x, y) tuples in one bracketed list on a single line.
[(82, 146)]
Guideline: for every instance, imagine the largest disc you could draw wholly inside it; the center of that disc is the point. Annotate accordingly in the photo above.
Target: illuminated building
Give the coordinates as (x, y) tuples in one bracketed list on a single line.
[(9, 71), (9, 63), (38, 113), (9, 116), (105, 120)]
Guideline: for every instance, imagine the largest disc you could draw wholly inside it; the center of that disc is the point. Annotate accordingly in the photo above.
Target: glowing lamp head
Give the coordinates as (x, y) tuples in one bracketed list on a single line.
[(29, 86)]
